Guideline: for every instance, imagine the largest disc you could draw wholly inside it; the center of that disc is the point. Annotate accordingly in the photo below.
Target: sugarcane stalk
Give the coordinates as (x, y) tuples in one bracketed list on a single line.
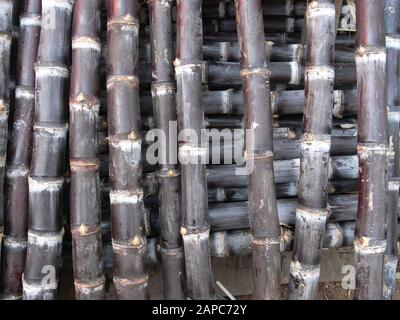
[(392, 17), (225, 74), (283, 190), (84, 107), (163, 94), (234, 215), (229, 51), (44, 252), (288, 102), (238, 242), (272, 24), (19, 153), (312, 210), (370, 240), (285, 171), (124, 134), (255, 74), (6, 9), (343, 40), (192, 152)]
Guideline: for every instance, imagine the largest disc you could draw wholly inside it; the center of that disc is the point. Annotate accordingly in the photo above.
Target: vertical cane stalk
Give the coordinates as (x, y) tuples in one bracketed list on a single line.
[(255, 74), (6, 9), (163, 92), (369, 241), (44, 252), (124, 135), (84, 106), (192, 151), (19, 153), (392, 17), (312, 209)]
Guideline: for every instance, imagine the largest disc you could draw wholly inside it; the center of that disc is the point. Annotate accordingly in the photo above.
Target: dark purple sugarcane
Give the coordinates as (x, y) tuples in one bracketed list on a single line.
[(124, 135), (44, 252), (234, 215), (289, 102), (19, 153), (84, 163), (6, 11), (164, 106), (192, 151), (392, 17), (255, 74), (312, 210), (370, 238)]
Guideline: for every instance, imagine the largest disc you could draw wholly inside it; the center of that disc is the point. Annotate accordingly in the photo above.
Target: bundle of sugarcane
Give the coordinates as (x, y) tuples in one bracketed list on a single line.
[(224, 75), (19, 153), (225, 216), (229, 51), (106, 170), (342, 169), (84, 163), (283, 103), (50, 129)]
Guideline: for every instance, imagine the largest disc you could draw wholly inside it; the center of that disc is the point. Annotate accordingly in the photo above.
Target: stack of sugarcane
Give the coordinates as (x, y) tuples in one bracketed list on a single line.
[(223, 105), (286, 121)]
